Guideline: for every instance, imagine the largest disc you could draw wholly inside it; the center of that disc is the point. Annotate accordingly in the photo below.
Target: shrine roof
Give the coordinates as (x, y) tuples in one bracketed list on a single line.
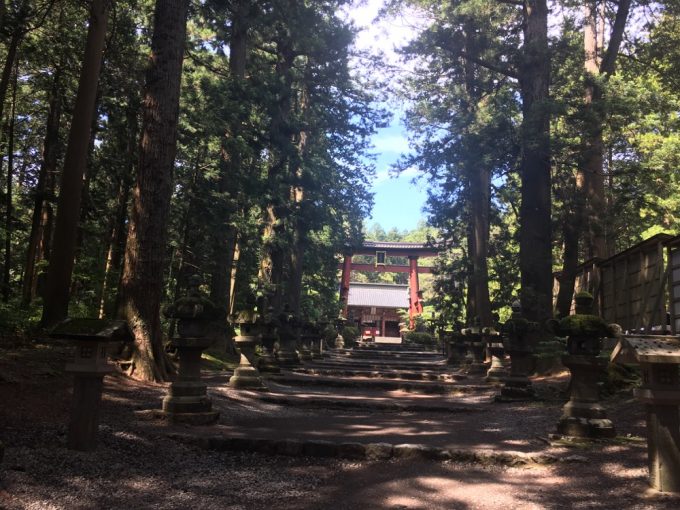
[(396, 245), (397, 249), (383, 295)]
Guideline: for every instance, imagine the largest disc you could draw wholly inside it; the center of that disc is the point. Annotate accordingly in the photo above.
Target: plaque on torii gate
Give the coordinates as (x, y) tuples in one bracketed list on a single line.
[(381, 251)]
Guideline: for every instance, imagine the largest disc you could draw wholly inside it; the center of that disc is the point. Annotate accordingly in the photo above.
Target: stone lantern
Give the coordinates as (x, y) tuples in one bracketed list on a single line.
[(246, 375), (659, 358), (456, 346), (318, 349), (187, 401), (92, 337), (269, 339), (289, 332), (518, 341), (494, 343), (307, 337), (476, 346), (339, 326), (583, 416)]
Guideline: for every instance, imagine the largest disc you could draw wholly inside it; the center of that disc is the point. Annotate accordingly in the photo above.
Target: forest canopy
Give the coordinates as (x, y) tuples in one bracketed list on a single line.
[(143, 142)]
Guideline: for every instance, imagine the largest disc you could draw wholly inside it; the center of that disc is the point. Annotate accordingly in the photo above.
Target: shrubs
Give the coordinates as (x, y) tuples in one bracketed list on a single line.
[(419, 338), (350, 334), (329, 335)]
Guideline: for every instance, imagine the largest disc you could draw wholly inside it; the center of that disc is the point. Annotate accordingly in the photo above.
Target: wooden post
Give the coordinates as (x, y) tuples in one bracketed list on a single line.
[(414, 300), (345, 281), (84, 422)]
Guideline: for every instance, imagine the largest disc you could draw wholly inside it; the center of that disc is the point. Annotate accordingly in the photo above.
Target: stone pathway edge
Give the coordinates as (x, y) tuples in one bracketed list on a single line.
[(370, 451)]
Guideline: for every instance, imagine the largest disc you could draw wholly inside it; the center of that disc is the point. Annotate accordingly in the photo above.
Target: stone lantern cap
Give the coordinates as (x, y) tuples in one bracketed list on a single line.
[(92, 330), (91, 337), (582, 322), (194, 305), (647, 349), (194, 313)]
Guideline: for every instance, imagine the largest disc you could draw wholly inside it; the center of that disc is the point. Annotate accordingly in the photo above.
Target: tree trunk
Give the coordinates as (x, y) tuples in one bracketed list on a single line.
[(570, 232), (68, 207), (297, 252), (6, 75), (272, 262), (599, 65), (592, 149), (116, 243), (480, 182), (142, 282), (226, 234), (8, 197), (535, 221), (471, 294)]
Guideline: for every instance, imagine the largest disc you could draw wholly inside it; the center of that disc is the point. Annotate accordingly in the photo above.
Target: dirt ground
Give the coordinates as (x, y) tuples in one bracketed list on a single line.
[(137, 465)]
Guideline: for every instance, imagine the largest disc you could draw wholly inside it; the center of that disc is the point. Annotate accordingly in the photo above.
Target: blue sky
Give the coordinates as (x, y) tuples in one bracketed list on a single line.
[(398, 201)]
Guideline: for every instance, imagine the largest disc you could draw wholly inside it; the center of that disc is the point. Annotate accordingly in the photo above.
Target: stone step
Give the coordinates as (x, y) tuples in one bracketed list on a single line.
[(367, 402), (411, 375), (373, 383), (439, 365), (370, 451), (387, 355)]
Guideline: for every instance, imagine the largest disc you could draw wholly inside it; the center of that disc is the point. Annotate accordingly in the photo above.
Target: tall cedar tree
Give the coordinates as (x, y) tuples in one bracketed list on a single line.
[(68, 208), (143, 272), (590, 208), (535, 237)]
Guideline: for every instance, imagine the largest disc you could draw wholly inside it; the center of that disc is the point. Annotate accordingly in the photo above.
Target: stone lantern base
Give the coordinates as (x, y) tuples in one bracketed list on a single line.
[(517, 386), (477, 365), (583, 416), (305, 352), (497, 371), (246, 376), (339, 342), (187, 400), (267, 362)]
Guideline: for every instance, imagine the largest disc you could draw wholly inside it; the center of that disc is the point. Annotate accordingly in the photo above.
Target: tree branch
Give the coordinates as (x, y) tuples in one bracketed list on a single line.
[(491, 67), (609, 61)]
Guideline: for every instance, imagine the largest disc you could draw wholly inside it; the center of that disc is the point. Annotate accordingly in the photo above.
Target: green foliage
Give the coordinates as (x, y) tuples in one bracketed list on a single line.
[(420, 338), (350, 334)]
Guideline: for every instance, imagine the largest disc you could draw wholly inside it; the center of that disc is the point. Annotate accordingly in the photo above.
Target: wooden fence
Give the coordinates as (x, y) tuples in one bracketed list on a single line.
[(638, 288)]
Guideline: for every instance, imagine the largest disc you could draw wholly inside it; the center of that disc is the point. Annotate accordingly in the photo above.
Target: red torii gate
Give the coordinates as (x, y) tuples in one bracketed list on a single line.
[(381, 250)]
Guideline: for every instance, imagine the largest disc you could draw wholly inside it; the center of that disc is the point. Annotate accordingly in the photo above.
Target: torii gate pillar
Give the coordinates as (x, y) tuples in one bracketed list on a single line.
[(344, 282), (415, 305)]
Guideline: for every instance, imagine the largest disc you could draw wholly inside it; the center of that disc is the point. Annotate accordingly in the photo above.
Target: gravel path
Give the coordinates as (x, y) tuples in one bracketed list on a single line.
[(137, 466)]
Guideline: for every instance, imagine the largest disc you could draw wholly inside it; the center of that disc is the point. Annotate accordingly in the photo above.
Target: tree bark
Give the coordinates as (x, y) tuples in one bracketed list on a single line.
[(142, 282), (6, 75), (68, 207), (8, 197), (480, 182), (535, 222)]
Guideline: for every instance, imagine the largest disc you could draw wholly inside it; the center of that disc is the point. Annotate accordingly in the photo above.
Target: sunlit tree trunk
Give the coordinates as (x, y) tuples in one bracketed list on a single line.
[(142, 281)]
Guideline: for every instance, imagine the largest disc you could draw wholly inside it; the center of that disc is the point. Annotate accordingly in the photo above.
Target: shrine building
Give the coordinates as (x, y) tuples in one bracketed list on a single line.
[(377, 306)]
